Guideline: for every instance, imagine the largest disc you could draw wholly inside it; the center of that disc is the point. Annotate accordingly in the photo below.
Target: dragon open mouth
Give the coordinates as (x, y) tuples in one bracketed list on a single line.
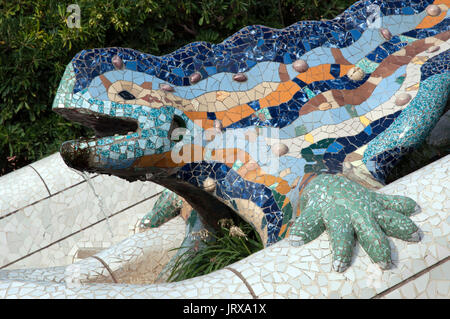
[(103, 125), (78, 153)]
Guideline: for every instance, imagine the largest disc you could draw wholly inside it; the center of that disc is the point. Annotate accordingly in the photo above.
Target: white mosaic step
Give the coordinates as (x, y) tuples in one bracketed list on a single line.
[(140, 257), (53, 212), (12, 190)]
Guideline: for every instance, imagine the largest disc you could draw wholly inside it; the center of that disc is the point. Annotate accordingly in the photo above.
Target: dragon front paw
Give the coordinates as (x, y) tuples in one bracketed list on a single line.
[(347, 210)]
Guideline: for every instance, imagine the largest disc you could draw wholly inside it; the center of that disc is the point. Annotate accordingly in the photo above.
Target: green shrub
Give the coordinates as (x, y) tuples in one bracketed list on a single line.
[(225, 247), (36, 44)]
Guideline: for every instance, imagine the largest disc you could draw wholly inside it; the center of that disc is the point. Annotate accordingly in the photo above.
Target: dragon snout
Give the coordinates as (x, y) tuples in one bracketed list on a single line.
[(74, 156)]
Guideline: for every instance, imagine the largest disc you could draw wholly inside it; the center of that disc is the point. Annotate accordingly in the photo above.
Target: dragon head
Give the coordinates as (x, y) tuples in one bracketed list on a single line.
[(141, 128), (137, 118)]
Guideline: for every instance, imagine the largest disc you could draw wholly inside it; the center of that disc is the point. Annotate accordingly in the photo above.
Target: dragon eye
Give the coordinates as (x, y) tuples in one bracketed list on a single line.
[(126, 95), (177, 123)]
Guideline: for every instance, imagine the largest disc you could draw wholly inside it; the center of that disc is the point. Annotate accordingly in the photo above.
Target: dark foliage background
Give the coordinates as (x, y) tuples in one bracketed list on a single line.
[(36, 45)]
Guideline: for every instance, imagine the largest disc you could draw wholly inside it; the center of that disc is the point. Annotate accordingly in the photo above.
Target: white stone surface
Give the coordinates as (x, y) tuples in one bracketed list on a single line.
[(56, 174), (13, 192), (43, 230), (434, 284), (142, 255)]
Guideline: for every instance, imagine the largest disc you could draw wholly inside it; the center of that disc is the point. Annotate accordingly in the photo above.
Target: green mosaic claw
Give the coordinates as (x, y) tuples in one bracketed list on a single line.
[(345, 209), (166, 207)]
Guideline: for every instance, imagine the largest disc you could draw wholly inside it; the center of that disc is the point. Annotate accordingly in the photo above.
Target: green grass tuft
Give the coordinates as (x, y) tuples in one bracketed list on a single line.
[(220, 250)]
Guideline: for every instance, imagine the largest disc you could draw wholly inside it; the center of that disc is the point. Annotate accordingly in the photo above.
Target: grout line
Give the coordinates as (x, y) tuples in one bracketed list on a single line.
[(78, 231), (404, 282), (106, 267), (48, 190), (237, 273)]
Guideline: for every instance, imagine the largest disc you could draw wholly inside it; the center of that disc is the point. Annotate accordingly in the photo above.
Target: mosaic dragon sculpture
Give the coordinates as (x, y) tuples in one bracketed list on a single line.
[(291, 129)]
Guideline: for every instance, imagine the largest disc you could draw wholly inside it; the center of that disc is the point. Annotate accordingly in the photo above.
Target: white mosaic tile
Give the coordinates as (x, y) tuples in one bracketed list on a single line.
[(433, 284), (60, 176), (14, 185), (42, 234)]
